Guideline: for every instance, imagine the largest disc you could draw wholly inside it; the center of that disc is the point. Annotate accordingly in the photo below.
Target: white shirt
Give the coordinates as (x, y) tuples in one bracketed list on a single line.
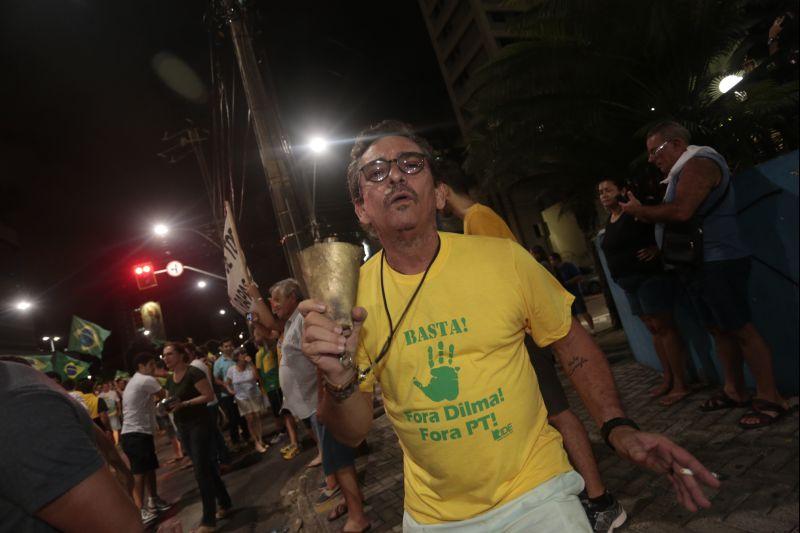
[(197, 363), (298, 375), (244, 382), (112, 402), (138, 410)]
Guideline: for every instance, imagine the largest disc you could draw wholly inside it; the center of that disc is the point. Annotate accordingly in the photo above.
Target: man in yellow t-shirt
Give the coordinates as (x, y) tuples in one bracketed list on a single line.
[(604, 511), (440, 322)]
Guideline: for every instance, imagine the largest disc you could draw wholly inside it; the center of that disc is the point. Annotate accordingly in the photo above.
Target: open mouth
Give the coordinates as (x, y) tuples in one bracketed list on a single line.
[(400, 196)]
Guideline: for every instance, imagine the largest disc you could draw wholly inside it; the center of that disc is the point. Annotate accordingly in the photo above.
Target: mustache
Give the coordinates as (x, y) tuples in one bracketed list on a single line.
[(399, 187)]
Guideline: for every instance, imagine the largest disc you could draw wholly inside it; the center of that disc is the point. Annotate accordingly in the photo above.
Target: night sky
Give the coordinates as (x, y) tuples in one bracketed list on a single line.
[(84, 113)]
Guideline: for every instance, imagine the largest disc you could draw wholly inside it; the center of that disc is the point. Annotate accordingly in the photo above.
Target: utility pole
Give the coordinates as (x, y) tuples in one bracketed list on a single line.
[(273, 145)]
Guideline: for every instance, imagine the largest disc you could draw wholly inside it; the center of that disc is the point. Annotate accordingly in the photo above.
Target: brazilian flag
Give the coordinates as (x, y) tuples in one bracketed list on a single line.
[(42, 363), (69, 367), (121, 374), (86, 337)]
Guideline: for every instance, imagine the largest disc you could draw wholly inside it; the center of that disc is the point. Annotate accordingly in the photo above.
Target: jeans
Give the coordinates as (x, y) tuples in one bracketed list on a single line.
[(221, 452), (235, 420), (198, 440)]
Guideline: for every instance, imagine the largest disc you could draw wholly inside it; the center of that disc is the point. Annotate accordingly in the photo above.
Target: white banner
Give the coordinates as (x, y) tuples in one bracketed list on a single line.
[(236, 271)]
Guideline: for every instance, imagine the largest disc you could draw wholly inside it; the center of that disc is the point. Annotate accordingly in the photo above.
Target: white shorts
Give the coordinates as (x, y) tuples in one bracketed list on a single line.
[(552, 507)]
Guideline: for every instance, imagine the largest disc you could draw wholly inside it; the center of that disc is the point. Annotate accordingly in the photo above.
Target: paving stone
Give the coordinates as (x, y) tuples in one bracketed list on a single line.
[(756, 521)]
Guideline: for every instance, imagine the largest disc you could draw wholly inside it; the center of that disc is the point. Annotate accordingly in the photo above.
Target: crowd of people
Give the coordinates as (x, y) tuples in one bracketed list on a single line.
[(463, 333)]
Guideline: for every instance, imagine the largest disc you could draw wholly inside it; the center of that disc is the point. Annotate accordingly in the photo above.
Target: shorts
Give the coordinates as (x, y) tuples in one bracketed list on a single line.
[(249, 406), (141, 451), (579, 305), (552, 506), (275, 398), (649, 295), (335, 455), (718, 291), (555, 399), (115, 422)]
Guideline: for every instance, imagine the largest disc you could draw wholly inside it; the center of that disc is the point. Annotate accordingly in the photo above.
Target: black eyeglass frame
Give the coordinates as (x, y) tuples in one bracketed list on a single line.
[(396, 161)]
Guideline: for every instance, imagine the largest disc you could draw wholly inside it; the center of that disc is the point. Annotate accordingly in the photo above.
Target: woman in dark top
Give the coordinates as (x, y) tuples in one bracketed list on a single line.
[(191, 391), (632, 257)]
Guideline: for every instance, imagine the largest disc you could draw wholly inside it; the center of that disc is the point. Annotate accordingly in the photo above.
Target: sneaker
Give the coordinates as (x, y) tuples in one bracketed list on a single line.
[(606, 516), (277, 438), (148, 516), (157, 505)]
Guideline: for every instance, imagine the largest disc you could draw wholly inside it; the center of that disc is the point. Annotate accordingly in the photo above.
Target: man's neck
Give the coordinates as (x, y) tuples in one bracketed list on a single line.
[(413, 254), (460, 204)]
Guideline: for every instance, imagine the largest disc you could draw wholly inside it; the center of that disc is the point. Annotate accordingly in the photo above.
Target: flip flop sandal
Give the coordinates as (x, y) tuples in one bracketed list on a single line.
[(763, 412), (721, 401), (339, 511), (291, 453), (286, 448)]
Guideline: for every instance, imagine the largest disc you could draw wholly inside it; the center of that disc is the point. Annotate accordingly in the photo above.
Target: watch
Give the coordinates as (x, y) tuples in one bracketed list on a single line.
[(613, 423), (341, 392), (346, 360)]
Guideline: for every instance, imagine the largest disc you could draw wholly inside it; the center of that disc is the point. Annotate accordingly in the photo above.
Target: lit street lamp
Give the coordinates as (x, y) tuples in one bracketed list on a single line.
[(160, 229), (222, 311), (146, 333), (52, 341), (201, 284), (23, 305), (729, 82)]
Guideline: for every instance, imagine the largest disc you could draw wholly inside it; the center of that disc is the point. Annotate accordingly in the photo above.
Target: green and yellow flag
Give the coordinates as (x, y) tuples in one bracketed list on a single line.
[(69, 367), (121, 374), (86, 337), (42, 363)]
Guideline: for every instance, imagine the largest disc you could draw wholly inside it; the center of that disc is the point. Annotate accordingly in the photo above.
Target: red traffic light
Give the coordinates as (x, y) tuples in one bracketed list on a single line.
[(145, 276)]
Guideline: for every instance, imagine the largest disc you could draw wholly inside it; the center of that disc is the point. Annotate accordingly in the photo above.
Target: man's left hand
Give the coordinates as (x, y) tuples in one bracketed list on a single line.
[(661, 455), (632, 205)]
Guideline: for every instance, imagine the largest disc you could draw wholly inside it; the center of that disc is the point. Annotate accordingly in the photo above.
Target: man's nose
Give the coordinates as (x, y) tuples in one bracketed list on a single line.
[(395, 174)]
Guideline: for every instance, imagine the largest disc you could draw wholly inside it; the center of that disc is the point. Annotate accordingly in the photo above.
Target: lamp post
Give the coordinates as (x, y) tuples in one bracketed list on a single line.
[(161, 229), (52, 341), (317, 145)]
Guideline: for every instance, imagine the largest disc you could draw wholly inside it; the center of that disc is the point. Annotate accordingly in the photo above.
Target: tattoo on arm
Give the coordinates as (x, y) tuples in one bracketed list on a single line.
[(575, 363)]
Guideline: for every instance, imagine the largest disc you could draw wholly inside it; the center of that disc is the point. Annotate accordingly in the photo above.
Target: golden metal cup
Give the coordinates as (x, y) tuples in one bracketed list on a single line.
[(330, 270)]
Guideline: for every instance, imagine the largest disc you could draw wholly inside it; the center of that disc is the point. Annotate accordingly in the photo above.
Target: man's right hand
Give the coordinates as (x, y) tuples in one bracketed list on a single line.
[(324, 341)]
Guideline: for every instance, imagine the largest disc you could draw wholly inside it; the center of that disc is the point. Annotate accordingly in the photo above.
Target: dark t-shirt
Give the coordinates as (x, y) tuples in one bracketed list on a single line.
[(566, 271), (186, 390), (47, 446), (102, 407), (623, 239)]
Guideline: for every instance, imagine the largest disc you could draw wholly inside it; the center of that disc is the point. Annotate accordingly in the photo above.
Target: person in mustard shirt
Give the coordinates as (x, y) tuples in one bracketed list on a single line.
[(605, 513), (440, 322)]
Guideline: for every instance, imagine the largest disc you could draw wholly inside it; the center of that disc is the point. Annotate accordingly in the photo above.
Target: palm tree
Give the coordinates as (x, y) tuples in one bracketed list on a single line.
[(572, 99)]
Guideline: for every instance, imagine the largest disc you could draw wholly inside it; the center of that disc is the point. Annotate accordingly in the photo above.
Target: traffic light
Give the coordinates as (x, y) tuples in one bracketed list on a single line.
[(145, 276)]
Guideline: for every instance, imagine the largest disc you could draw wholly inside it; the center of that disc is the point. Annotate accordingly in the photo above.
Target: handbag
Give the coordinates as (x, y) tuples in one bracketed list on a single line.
[(682, 244)]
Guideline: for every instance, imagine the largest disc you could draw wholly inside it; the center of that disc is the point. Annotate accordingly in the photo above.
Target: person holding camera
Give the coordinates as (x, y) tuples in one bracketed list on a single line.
[(189, 393), (698, 233), (632, 256)]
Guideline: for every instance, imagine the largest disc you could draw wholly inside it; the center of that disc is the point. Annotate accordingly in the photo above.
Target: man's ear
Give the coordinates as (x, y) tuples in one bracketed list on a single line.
[(441, 192), (361, 213)]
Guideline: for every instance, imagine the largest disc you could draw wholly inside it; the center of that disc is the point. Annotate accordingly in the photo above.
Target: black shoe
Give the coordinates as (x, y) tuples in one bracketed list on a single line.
[(606, 515)]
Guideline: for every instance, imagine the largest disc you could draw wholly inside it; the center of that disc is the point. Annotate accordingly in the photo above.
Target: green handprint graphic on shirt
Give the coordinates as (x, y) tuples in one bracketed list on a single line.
[(443, 384)]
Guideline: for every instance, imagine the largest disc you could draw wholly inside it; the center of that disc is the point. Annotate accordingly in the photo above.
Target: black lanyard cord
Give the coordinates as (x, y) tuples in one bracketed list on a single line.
[(362, 375)]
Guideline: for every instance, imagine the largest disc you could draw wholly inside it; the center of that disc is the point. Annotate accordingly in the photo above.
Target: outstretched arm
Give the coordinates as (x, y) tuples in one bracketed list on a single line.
[(590, 374)]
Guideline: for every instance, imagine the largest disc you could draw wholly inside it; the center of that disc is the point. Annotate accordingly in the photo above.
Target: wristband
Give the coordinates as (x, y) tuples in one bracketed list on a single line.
[(611, 424), (341, 392)]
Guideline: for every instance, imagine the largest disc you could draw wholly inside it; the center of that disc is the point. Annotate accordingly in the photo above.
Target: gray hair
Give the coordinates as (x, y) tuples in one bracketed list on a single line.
[(288, 286), (365, 139), (669, 130)]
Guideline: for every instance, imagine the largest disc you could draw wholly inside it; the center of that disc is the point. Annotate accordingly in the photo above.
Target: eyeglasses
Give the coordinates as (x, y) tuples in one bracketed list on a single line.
[(408, 163), (657, 150)]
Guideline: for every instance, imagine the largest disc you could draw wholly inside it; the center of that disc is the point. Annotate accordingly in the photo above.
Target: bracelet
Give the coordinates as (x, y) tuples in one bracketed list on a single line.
[(611, 424), (341, 392)]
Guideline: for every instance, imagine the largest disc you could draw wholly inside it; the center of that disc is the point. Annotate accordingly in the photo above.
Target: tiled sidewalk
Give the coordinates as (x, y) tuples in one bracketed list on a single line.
[(760, 468)]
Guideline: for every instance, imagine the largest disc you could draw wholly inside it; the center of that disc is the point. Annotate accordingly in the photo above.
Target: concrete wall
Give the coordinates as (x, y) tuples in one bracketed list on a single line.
[(767, 198)]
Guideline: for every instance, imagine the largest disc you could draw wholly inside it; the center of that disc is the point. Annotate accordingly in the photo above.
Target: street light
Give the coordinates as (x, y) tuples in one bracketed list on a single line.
[(160, 229), (23, 305), (52, 341), (317, 145), (729, 82), (222, 311), (201, 284), (146, 333)]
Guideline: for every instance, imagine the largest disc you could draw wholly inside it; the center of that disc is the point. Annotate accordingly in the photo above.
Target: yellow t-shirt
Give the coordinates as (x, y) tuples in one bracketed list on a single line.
[(481, 220), (457, 383)]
